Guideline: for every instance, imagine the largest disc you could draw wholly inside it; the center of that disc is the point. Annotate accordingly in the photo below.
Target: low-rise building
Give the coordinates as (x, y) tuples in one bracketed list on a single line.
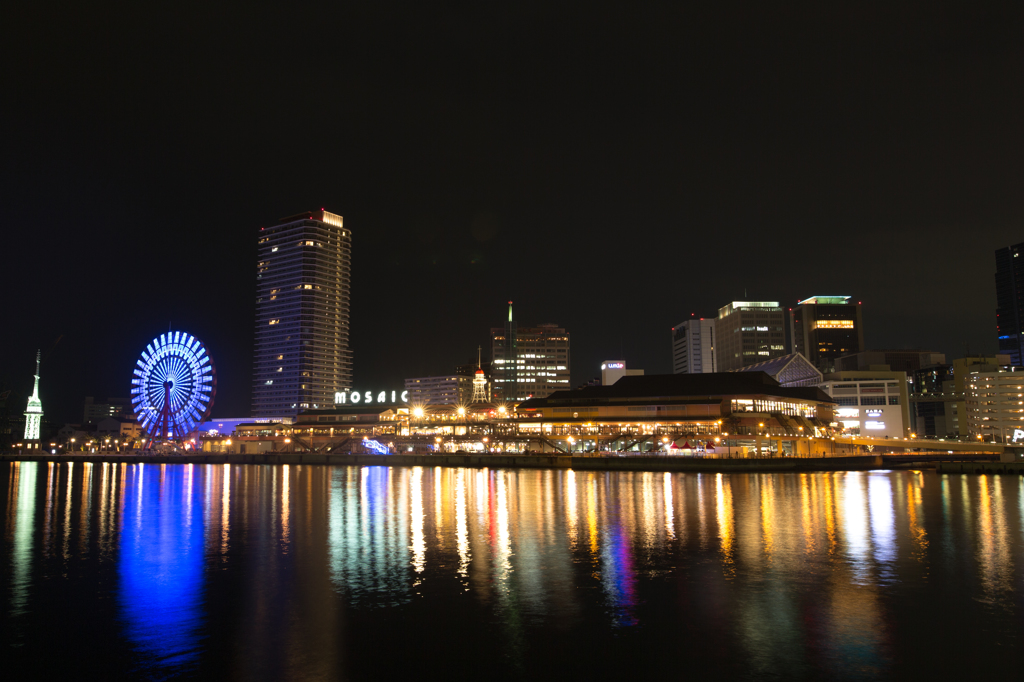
[(870, 403), (739, 414), (113, 427)]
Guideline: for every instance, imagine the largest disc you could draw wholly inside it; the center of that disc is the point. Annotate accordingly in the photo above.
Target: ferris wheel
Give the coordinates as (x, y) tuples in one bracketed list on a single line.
[(173, 385)]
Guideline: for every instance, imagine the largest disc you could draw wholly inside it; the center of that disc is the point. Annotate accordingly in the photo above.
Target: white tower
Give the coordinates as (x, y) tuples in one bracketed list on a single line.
[(480, 391), (34, 413)]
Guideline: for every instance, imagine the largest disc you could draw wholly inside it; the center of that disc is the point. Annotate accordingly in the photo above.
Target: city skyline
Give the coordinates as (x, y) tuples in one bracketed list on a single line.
[(619, 175)]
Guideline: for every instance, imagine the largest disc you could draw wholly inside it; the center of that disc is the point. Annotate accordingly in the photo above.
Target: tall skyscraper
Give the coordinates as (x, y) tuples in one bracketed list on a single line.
[(825, 328), (748, 332), (529, 361), (302, 354), (693, 347), (1010, 302)]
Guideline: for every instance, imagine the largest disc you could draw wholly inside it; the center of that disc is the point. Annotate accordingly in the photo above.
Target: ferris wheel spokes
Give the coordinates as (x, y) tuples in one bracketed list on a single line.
[(173, 386)]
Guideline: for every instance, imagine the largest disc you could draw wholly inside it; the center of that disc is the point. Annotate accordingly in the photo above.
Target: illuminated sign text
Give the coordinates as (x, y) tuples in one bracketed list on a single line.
[(370, 398)]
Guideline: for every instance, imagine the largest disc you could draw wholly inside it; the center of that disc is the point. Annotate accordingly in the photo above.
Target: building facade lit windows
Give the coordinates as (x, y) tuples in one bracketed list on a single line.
[(995, 405), (450, 389), (939, 400), (748, 332), (537, 366), (1010, 302), (824, 328), (693, 347), (302, 354)]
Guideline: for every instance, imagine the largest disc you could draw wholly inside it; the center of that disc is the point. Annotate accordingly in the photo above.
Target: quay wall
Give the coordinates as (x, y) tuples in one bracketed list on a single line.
[(1013, 468), (774, 464)]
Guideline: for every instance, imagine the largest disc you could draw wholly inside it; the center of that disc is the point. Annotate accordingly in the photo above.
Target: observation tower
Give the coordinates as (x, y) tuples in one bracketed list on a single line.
[(480, 392), (33, 414)]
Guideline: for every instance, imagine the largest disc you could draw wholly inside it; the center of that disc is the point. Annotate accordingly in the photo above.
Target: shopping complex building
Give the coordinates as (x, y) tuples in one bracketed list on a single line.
[(740, 413)]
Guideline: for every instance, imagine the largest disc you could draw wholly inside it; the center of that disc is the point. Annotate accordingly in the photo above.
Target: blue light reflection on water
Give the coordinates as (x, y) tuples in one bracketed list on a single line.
[(840, 576), (160, 563)]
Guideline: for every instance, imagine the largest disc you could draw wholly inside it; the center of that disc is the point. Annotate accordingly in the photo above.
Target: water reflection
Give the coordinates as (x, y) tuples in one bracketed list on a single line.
[(161, 562), (269, 568), (21, 510)]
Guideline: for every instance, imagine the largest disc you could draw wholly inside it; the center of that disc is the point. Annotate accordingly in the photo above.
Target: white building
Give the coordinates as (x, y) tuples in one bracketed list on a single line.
[(871, 403), (613, 370), (995, 405), (693, 347)]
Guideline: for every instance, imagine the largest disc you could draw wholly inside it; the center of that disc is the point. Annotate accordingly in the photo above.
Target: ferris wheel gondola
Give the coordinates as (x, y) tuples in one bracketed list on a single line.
[(173, 386)]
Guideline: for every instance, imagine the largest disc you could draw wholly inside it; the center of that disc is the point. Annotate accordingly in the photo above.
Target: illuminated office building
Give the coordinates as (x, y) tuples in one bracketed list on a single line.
[(748, 332), (1010, 302), (529, 361), (302, 354), (824, 328)]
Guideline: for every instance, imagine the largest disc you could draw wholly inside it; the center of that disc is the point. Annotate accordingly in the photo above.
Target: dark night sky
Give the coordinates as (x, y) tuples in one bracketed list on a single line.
[(611, 169)]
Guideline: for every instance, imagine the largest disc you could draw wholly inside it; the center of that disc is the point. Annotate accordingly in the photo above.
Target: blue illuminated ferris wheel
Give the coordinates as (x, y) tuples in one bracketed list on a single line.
[(173, 385)]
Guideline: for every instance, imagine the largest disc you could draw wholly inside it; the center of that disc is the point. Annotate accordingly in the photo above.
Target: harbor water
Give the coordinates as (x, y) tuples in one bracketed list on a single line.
[(170, 571)]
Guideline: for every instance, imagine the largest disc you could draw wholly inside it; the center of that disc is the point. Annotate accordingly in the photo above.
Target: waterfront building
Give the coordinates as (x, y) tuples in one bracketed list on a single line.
[(994, 403), (302, 354), (228, 425), (693, 347), (789, 370), (747, 332), (529, 361), (1010, 302), (33, 414), (907, 360), (613, 370), (740, 413), (938, 401), (870, 403), (94, 412), (824, 328), (449, 389)]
